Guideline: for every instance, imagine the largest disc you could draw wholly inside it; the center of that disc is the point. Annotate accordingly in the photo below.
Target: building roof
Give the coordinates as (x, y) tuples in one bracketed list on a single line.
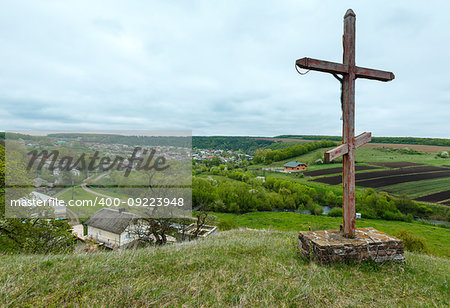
[(111, 220), (293, 164)]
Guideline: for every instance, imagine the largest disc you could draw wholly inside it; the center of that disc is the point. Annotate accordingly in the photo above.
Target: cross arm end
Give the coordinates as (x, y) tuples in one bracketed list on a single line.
[(322, 66), (368, 73)]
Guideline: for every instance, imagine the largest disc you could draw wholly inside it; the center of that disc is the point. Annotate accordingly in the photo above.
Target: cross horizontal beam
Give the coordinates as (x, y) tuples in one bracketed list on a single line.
[(368, 73), (362, 139), (336, 152), (322, 66), (338, 68), (342, 149)]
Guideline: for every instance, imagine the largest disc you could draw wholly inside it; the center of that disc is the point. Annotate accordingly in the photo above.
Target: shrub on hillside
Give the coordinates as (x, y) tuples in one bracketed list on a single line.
[(378, 205), (443, 154), (335, 212), (388, 215), (226, 224), (316, 209), (412, 242)]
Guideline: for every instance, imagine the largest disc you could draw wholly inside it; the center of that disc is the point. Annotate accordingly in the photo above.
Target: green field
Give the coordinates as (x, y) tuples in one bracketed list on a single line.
[(308, 158), (419, 188), (370, 155), (80, 194), (231, 269), (366, 156), (438, 238)]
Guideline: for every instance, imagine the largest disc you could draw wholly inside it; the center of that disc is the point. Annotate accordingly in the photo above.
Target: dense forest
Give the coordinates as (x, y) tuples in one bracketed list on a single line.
[(245, 144), (267, 156)]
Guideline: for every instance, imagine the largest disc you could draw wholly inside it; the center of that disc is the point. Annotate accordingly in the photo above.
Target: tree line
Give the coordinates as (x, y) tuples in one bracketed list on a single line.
[(240, 192), (267, 156), (396, 140), (245, 144)]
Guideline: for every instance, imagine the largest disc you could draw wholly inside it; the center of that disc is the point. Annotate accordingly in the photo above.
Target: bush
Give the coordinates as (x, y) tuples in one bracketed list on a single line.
[(412, 242), (388, 215), (335, 212), (317, 210), (226, 224), (408, 217), (443, 154)]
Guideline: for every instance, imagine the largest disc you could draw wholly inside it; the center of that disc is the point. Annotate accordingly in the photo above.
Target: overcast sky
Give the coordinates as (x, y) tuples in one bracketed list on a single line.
[(221, 67)]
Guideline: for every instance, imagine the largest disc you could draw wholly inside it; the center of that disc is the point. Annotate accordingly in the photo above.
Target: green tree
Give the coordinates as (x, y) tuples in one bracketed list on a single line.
[(27, 235)]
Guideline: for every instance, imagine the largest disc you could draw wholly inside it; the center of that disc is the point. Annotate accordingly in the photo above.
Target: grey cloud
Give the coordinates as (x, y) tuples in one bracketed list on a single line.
[(222, 67)]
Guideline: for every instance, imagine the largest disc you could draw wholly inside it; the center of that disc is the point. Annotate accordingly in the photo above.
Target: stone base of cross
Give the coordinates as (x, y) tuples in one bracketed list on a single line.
[(349, 72)]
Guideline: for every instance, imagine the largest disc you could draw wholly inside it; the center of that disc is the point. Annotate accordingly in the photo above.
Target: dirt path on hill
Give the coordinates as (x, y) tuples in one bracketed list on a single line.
[(74, 219), (83, 186)]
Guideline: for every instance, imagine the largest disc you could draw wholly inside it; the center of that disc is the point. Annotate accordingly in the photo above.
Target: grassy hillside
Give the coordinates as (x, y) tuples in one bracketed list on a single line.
[(234, 268)]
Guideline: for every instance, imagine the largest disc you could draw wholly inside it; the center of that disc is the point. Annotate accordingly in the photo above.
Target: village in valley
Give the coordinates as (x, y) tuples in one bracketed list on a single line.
[(113, 228)]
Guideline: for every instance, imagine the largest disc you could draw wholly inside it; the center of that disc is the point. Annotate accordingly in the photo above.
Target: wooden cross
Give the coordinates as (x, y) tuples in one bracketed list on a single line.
[(349, 72)]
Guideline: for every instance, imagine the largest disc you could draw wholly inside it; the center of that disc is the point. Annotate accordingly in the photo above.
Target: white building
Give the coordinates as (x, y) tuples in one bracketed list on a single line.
[(37, 200), (110, 226)]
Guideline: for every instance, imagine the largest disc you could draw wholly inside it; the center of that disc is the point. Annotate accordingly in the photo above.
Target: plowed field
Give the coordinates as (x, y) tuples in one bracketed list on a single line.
[(440, 196), (336, 170), (380, 182), (399, 164), (386, 174)]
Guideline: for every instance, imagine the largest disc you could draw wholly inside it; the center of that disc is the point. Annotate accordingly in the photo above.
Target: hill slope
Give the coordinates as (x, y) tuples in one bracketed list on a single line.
[(245, 268)]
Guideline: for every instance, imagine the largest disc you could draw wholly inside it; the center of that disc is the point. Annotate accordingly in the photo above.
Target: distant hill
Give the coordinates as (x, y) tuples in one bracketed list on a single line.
[(235, 143)]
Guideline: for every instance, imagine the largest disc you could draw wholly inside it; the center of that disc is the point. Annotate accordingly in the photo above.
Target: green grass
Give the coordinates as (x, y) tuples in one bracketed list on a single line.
[(282, 145), (419, 188), (368, 155), (234, 268), (307, 158), (80, 194), (438, 238), (113, 192)]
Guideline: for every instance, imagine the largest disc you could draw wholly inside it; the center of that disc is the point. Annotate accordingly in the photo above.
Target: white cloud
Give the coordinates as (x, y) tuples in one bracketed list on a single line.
[(220, 67)]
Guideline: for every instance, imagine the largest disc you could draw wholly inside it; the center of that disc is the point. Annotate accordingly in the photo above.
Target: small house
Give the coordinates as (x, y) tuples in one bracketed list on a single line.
[(294, 166), (111, 227)]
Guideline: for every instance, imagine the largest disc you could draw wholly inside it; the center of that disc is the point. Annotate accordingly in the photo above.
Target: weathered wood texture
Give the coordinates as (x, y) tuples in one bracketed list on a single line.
[(349, 72)]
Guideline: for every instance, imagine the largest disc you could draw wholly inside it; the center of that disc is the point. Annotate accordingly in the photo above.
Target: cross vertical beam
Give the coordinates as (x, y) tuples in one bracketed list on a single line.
[(349, 72), (348, 129)]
